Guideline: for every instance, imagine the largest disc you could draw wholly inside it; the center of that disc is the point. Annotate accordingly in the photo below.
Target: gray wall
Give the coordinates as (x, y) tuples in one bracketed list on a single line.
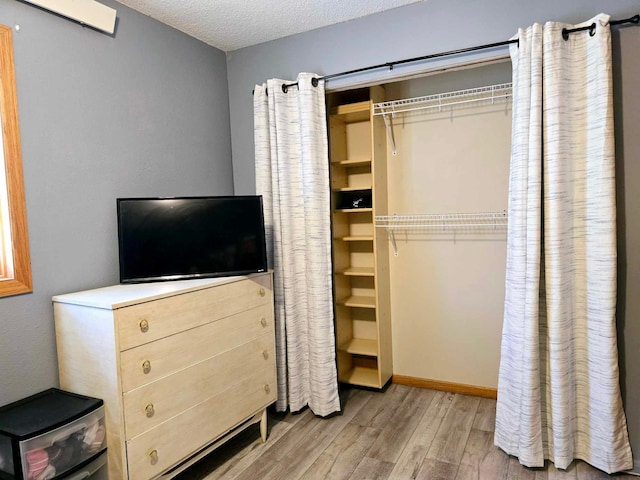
[(143, 112), (441, 25)]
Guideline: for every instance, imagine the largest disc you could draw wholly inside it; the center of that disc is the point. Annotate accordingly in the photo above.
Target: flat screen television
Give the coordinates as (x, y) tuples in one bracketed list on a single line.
[(162, 239)]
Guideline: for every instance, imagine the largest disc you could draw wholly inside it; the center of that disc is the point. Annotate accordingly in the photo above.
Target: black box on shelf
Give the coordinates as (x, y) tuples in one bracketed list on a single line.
[(349, 199), (50, 435)]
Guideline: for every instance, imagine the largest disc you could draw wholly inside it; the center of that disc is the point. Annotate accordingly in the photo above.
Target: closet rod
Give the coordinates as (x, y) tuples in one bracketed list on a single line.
[(592, 27), (390, 65), (565, 32)]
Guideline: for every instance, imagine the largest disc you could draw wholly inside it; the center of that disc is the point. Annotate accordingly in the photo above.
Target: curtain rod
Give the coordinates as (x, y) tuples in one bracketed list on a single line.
[(565, 34)]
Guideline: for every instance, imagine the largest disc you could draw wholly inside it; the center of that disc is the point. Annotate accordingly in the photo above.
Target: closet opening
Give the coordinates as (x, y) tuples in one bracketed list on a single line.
[(418, 272)]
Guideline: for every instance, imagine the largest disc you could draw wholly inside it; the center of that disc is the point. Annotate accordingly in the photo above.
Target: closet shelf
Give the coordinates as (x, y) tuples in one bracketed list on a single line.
[(354, 210), (357, 238), (357, 166), (359, 301), (363, 376), (359, 162), (488, 94), (361, 346), (353, 112), (351, 189), (442, 223), (358, 272)]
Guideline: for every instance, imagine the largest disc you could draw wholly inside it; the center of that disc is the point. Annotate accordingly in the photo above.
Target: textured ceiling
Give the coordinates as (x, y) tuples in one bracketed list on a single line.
[(233, 24)]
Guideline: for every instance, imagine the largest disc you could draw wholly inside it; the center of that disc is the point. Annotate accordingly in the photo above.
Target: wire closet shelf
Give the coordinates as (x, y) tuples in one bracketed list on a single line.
[(480, 222), (488, 95), (439, 101)]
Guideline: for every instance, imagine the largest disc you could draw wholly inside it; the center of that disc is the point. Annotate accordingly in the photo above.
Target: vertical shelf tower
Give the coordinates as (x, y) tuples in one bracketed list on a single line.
[(358, 169)]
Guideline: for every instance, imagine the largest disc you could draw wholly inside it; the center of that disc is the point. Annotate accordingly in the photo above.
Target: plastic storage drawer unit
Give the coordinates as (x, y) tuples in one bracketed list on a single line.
[(88, 470), (50, 435)]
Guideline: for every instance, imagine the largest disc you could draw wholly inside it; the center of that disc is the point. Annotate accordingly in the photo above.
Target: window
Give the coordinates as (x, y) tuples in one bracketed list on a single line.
[(15, 263)]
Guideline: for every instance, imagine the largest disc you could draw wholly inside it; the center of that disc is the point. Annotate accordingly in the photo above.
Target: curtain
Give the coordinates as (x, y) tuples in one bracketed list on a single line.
[(558, 388), (292, 175)]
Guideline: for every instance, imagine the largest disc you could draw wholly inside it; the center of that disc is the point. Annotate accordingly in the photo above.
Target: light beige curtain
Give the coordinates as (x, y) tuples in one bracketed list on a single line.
[(558, 391), (292, 175)]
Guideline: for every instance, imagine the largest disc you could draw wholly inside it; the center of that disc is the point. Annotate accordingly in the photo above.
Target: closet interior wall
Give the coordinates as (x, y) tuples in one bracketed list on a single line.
[(447, 289)]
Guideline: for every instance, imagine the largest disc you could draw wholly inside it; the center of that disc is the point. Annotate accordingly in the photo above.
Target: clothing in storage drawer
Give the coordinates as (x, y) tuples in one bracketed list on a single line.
[(172, 441), (149, 321), (152, 404), (149, 362), (49, 434)]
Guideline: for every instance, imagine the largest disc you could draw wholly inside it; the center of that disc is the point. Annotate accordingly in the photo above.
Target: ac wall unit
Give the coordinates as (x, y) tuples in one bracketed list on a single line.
[(87, 12)]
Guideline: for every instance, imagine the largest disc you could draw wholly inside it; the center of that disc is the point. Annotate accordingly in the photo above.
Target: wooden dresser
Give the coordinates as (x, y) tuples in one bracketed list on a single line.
[(181, 366)]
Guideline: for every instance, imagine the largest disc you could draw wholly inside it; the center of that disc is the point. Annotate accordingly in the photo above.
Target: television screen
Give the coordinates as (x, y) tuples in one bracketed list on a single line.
[(190, 237)]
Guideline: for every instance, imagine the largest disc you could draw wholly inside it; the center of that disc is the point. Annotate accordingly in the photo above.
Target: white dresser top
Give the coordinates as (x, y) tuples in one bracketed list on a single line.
[(119, 296)]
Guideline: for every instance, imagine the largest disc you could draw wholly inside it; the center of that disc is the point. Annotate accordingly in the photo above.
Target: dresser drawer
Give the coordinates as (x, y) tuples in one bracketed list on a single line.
[(152, 404), (146, 322), (173, 441), (147, 363)]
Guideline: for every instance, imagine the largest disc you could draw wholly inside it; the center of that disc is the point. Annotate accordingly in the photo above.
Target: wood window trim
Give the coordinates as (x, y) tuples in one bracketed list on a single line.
[(21, 278)]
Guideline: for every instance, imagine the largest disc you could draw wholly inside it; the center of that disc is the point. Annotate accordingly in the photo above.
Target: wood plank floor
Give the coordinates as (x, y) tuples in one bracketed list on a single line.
[(402, 433)]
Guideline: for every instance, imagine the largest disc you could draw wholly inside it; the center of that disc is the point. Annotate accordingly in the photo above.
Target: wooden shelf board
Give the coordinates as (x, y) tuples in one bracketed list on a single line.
[(360, 301), (359, 271), (357, 238), (365, 377), (354, 210), (353, 112), (361, 346), (361, 162), (351, 189)]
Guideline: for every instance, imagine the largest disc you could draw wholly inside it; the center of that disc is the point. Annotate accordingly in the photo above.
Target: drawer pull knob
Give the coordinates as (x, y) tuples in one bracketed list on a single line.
[(146, 367), (263, 322), (153, 457), (144, 325), (267, 388), (150, 410), (265, 354), (262, 292)]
